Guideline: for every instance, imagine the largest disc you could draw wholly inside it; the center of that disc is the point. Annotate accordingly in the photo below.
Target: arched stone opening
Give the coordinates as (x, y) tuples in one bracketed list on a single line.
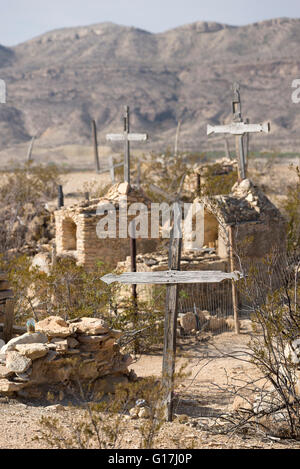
[(69, 240)]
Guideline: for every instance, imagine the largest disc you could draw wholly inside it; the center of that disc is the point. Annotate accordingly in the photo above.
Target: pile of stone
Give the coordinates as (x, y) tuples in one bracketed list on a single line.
[(63, 354), (205, 322)]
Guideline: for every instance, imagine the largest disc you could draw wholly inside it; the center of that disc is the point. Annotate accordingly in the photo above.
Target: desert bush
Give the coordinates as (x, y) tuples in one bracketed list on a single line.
[(23, 196), (69, 291), (103, 424), (270, 402), (292, 208), (217, 184)]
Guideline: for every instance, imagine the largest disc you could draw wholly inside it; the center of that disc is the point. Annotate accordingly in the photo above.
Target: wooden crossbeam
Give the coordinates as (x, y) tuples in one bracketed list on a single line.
[(129, 137), (171, 277), (238, 128)]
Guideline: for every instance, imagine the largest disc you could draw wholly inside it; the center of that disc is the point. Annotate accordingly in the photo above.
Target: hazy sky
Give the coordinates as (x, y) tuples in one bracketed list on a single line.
[(23, 19)]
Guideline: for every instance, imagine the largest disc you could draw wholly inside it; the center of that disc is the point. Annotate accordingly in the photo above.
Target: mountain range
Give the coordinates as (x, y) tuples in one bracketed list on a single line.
[(57, 83)]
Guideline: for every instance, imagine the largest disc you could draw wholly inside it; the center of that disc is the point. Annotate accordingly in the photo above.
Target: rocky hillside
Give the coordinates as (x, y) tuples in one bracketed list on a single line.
[(58, 82)]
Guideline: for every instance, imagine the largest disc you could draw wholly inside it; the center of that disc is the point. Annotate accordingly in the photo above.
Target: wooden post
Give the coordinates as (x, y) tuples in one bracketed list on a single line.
[(198, 184), (126, 146), (30, 149), (177, 138), (8, 320), (234, 290), (60, 196), (133, 263), (95, 142), (169, 356)]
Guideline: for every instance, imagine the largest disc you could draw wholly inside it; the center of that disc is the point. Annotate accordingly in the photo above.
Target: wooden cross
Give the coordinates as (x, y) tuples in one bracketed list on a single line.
[(239, 128), (172, 278), (111, 168), (127, 137)]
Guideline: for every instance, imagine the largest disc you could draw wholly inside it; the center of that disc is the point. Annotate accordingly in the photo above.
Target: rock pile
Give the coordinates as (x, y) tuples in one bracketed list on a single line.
[(205, 322), (60, 354)]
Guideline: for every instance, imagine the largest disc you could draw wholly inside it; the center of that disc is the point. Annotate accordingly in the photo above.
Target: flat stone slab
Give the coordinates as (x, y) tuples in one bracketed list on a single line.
[(32, 351), (90, 326), (27, 338), (8, 387), (92, 339), (54, 326), (16, 362)]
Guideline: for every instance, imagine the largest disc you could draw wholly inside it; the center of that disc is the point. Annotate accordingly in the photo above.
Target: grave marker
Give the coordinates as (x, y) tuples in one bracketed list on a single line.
[(127, 137), (239, 128), (172, 278)]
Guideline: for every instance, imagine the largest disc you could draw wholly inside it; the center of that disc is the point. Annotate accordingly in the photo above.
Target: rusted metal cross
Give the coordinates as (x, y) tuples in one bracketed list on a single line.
[(127, 137), (239, 128)]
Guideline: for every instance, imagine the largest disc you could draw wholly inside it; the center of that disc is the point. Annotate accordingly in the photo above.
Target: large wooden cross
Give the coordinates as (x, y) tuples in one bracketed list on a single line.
[(172, 278), (239, 128), (127, 137)]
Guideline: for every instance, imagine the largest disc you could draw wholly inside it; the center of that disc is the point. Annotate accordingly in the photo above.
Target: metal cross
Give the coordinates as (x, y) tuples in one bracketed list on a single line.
[(127, 137), (239, 128)]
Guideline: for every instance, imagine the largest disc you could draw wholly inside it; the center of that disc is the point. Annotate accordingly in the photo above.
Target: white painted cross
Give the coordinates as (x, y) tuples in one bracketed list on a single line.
[(239, 129), (127, 137)]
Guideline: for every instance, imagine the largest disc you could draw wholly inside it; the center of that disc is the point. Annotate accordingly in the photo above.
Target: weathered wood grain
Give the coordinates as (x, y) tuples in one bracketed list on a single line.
[(171, 277), (238, 128), (170, 328), (125, 136)]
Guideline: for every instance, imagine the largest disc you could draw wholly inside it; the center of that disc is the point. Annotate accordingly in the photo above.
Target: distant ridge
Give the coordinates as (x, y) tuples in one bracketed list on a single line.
[(59, 81)]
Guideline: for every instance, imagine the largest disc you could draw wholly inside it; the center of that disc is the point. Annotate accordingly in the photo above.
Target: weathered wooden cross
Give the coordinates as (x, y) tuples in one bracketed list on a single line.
[(127, 137), (239, 128), (172, 278), (111, 168)]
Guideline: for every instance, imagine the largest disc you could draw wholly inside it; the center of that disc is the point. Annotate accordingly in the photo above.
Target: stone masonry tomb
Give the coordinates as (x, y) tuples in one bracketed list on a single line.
[(258, 229), (76, 229)]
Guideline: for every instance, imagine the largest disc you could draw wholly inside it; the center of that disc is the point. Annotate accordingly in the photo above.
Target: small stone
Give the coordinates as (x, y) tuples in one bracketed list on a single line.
[(134, 413), (5, 373), (144, 413), (60, 345), (55, 408), (17, 362), (72, 342), (90, 326), (124, 188), (188, 321)]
